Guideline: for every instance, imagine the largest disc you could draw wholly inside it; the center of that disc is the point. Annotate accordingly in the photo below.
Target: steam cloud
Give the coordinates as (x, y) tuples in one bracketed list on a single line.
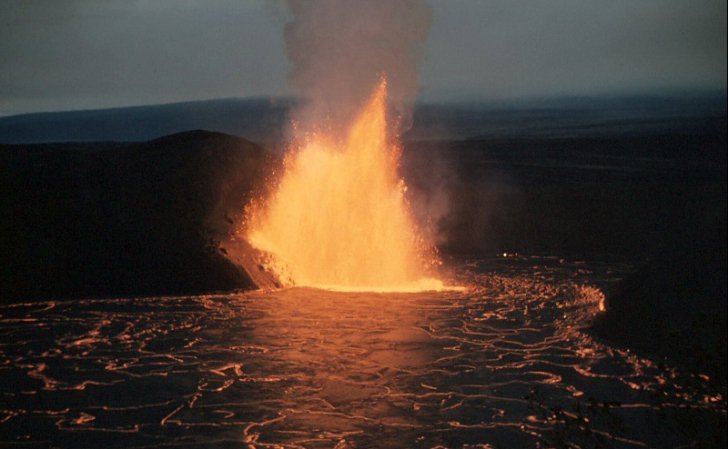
[(339, 48)]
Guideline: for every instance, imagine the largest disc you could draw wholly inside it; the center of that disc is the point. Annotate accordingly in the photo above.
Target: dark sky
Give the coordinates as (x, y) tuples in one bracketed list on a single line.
[(72, 54)]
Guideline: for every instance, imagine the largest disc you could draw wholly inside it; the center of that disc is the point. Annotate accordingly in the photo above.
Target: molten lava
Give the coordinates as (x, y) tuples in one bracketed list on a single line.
[(339, 219)]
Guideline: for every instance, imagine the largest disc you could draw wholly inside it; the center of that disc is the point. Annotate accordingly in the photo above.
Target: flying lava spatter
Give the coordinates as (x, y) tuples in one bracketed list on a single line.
[(339, 218)]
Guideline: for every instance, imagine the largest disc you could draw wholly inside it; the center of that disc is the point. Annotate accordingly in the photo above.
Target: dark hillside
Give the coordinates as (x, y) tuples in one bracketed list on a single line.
[(108, 219)]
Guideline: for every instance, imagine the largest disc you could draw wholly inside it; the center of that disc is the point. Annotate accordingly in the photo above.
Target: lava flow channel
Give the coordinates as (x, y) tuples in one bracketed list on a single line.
[(338, 217)]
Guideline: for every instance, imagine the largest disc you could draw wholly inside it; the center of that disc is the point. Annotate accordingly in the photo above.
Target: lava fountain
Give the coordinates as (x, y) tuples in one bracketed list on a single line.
[(338, 217)]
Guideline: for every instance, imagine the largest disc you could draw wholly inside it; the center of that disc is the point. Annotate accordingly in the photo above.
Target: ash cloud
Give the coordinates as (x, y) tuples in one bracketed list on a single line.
[(340, 48)]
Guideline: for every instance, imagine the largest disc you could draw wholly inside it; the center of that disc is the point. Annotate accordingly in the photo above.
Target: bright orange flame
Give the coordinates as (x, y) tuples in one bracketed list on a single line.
[(339, 218)]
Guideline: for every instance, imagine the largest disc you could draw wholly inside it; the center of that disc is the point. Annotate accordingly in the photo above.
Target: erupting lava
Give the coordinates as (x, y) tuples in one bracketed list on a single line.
[(339, 219)]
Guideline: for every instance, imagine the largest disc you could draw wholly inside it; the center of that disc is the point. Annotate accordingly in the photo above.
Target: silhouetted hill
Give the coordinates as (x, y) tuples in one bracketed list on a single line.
[(109, 219), (264, 119), (260, 119)]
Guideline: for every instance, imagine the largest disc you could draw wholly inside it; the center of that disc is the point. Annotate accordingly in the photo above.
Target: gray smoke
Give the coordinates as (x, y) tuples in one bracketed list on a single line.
[(340, 48)]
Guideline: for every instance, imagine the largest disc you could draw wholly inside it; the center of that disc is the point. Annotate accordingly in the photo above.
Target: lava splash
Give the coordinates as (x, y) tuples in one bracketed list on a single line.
[(339, 218)]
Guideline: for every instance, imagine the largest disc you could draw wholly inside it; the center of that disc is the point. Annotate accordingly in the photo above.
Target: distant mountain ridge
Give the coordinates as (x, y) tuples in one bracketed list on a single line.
[(265, 119), (258, 119)]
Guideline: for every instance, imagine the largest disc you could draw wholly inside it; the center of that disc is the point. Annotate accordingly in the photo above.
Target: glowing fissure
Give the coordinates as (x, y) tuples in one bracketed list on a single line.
[(339, 218)]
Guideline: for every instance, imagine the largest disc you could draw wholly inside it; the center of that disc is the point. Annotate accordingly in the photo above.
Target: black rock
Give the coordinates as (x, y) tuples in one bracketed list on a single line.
[(112, 219)]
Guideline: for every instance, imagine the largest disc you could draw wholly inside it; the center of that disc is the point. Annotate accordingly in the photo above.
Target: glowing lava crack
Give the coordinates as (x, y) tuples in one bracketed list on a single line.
[(339, 219)]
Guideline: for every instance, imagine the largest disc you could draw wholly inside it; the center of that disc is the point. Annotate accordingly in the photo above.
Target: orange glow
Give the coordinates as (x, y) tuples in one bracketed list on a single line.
[(338, 218)]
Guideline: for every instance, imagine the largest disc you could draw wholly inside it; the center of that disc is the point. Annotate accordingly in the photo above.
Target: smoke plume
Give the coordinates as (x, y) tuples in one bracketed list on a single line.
[(340, 48)]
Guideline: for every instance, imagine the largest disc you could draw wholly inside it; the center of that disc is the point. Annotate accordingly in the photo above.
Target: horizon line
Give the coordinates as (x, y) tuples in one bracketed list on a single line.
[(686, 93)]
